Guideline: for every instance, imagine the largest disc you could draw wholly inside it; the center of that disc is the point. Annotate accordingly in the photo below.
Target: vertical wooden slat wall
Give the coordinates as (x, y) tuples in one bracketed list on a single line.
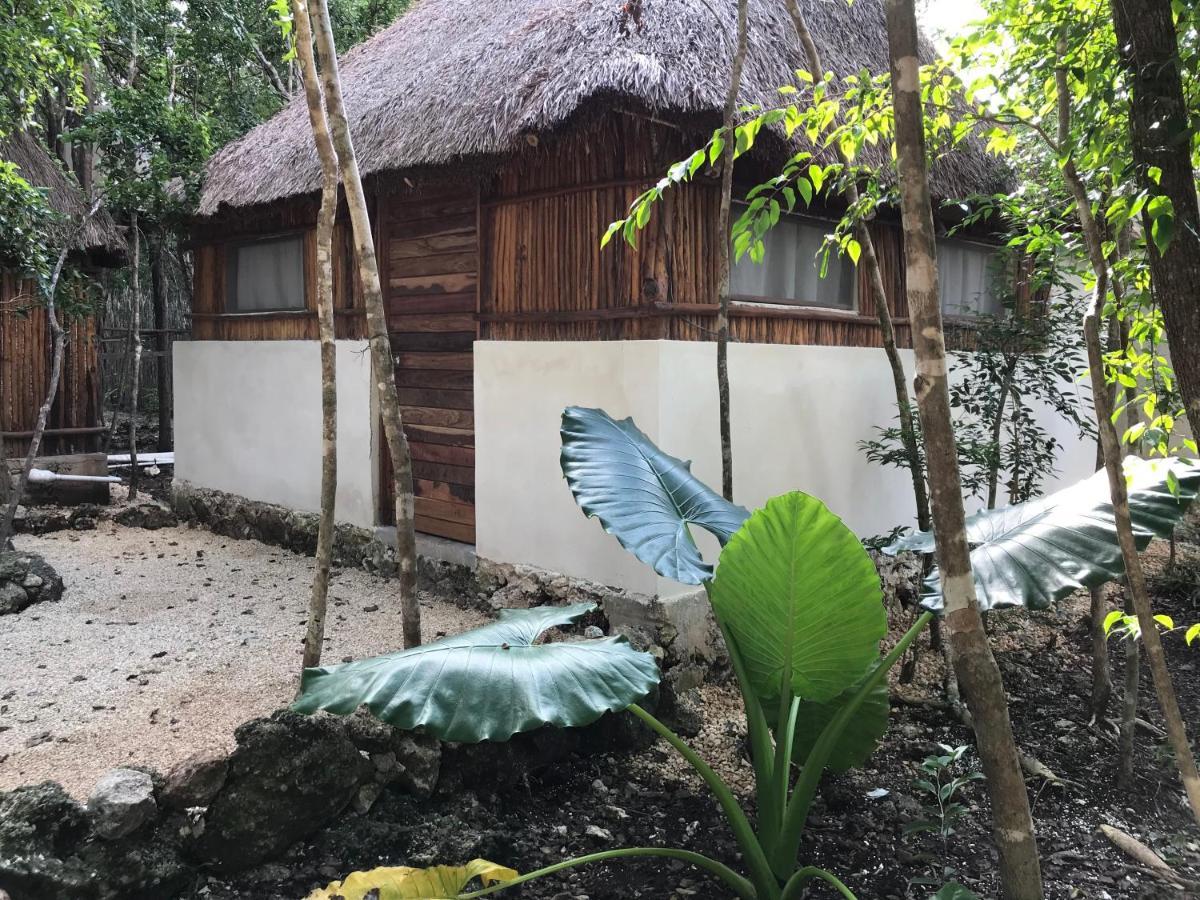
[(546, 278), (25, 362)]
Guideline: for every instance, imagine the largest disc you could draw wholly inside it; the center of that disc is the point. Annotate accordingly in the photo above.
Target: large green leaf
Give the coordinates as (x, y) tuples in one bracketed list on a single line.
[(801, 598), (643, 497), (857, 741), (1036, 553), (490, 683)]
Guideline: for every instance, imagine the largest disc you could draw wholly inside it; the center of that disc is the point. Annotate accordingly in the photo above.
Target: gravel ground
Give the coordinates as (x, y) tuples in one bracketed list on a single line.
[(164, 642)]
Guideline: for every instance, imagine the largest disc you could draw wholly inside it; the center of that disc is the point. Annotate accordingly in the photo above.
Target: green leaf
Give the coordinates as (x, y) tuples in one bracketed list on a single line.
[(804, 186), (1112, 619), (489, 683), (801, 598), (612, 229), (642, 496), (1036, 553), (861, 736), (1192, 633)]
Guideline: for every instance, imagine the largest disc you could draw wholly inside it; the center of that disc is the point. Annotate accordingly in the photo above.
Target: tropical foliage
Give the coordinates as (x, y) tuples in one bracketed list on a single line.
[(490, 683), (797, 600), (1036, 553)]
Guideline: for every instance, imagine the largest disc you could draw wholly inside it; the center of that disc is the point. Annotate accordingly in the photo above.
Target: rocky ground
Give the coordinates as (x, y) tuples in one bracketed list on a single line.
[(858, 827), (165, 641)]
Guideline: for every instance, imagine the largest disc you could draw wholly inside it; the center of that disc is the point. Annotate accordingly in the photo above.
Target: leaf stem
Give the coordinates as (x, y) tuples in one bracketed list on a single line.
[(756, 860), (791, 890), (739, 885), (770, 809), (814, 767), (785, 732)]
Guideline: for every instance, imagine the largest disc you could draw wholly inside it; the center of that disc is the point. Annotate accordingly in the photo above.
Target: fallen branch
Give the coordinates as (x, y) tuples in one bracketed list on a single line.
[(1145, 857), (1035, 768)]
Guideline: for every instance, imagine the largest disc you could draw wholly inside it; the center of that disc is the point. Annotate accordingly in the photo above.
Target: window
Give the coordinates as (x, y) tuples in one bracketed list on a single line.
[(969, 275), (791, 269), (266, 275)]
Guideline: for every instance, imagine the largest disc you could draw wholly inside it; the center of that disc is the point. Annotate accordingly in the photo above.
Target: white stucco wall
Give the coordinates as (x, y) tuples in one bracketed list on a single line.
[(798, 414), (248, 422)]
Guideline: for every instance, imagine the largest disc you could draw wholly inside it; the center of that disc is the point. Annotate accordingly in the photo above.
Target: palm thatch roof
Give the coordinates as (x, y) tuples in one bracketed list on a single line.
[(99, 234), (454, 80)]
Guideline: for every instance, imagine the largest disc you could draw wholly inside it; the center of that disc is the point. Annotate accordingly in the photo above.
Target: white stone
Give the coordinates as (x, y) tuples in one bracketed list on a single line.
[(121, 802)]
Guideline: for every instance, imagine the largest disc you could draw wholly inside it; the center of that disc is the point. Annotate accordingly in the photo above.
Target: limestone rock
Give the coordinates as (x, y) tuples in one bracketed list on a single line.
[(418, 763), (25, 579), (196, 780), (121, 802), (150, 516), (40, 828), (13, 598), (289, 776)]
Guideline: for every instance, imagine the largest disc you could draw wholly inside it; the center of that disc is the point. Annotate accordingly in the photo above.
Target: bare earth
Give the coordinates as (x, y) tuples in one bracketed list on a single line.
[(164, 642)]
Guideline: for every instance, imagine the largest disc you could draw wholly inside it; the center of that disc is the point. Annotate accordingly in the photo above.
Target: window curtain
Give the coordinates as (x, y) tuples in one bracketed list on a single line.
[(791, 270), (967, 276), (268, 275)]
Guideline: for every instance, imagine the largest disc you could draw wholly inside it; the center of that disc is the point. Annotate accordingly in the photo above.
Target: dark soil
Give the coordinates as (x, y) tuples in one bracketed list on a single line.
[(650, 798)]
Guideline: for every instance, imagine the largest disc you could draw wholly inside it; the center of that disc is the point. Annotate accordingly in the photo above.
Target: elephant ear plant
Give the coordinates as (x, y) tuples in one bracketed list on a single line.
[(797, 599), (1036, 553)]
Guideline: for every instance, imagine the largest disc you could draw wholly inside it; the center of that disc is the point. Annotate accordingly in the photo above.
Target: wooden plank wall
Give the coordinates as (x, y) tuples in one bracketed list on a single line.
[(25, 360), (430, 265)]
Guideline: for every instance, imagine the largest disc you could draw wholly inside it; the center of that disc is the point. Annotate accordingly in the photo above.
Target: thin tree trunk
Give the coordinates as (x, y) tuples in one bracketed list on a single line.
[(997, 430), (1102, 684), (1162, 136), (1102, 687), (382, 364), (1127, 732), (135, 332), (870, 260), (723, 248), (974, 664), (1111, 443), (58, 347), (162, 342), (314, 635)]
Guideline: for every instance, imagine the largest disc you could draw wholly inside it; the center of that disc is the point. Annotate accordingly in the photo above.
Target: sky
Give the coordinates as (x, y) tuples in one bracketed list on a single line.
[(946, 17)]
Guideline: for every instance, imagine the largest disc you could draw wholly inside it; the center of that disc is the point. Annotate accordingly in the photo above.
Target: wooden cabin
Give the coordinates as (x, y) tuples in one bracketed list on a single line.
[(76, 422), (498, 141)]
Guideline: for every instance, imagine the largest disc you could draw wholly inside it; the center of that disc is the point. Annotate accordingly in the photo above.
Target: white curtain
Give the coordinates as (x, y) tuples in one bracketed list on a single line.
[(268, 275), (967, 276), (791, 270)]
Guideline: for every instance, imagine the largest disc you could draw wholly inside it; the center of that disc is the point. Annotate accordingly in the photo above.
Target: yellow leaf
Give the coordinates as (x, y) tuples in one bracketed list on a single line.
[(404, 883)]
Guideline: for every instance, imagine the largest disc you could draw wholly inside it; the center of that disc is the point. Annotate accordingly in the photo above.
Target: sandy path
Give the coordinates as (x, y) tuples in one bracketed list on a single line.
[(164, 642)]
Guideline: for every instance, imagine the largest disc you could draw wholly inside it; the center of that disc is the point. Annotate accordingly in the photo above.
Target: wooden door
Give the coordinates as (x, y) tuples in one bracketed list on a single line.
[(430, 266)]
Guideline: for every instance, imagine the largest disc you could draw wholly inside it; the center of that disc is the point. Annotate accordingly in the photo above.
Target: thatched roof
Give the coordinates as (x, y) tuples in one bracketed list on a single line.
[(100, 234), (460, 79)]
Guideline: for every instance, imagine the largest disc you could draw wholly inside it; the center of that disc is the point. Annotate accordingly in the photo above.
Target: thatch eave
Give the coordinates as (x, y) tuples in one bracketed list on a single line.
[(454, 81), (100, 239)]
